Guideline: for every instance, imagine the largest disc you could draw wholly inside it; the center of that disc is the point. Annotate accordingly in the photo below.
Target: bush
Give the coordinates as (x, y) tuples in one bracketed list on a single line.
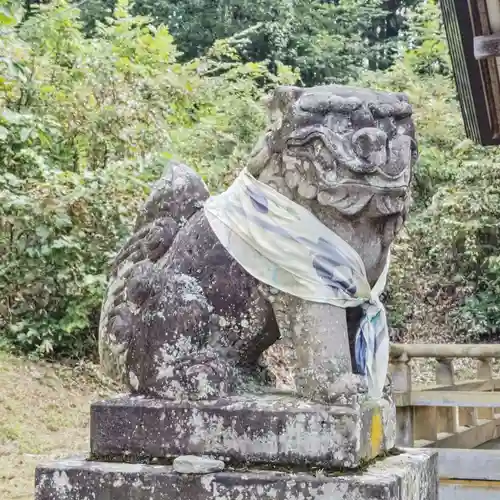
[(85, 125), (445, 274), (87, 122), (326, 40)]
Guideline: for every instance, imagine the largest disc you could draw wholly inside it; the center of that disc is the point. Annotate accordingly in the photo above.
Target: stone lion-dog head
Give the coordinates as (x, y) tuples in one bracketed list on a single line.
[(347, 154)]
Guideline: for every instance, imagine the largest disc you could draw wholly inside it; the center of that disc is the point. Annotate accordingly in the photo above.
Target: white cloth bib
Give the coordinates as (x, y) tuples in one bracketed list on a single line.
[(284, 245)]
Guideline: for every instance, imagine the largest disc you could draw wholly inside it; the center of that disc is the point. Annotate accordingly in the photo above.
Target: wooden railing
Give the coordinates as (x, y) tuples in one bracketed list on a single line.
[(448, 414)]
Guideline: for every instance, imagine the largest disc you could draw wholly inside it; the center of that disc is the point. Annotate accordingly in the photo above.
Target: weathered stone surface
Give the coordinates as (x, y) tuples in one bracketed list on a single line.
[(190, 464), (411, 476), (318, 334), (183, 320), (175, 198), (253, 429)]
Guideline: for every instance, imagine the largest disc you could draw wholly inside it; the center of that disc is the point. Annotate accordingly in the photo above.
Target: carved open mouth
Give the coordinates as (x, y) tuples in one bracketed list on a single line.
[(351, 199), (390, 191), (352, 172)]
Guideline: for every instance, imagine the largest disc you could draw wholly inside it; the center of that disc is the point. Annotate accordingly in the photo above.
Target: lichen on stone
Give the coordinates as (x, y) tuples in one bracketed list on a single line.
[(183, 320)]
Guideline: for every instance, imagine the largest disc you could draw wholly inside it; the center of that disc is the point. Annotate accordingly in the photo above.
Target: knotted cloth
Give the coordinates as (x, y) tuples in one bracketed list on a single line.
[(285, 246)]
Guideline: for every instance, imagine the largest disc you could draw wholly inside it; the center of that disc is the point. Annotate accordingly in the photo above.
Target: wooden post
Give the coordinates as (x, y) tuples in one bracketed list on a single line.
[(426, 423), (446, 350), (468, 416), (443, 423), (447, 418), (485, 372), (401, 384)]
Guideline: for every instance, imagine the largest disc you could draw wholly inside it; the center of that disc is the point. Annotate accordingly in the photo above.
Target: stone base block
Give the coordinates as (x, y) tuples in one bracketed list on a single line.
[(410, 476), (271, 429)]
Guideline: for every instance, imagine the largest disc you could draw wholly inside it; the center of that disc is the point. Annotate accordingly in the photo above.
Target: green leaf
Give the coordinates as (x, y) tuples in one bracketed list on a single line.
[(44, 138), (60, 243), (25, 134), (11, 179), (3, 133), (42, 232), (7, 18), (12, 117)]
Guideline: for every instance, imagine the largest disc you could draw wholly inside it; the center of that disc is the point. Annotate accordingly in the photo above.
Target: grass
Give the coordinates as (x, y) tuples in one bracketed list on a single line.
[(44, 414)]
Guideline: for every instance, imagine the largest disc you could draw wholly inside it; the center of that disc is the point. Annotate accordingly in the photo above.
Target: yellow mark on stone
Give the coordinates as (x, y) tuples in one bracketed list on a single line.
[(473, 484), (376, 433)]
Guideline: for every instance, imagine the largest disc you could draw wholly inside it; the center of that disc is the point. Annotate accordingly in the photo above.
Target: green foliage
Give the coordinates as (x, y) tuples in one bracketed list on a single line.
[(445, 277), (427, 52), (198, 24), (326, 41), (467, 215), (85, 124), (388, 30)]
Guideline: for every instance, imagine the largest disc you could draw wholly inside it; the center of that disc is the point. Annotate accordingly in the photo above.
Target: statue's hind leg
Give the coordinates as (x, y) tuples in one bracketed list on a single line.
[(171, 353)]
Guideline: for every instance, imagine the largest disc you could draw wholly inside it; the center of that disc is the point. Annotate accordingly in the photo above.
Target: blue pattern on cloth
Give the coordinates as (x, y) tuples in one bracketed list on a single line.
[(285, 246)]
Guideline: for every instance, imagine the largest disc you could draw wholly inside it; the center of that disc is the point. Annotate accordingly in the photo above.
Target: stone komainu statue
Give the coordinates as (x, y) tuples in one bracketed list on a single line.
[(182, 319)]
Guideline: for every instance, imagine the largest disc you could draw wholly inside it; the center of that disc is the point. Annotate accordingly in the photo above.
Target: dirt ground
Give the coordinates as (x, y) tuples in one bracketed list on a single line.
[(44, 414)]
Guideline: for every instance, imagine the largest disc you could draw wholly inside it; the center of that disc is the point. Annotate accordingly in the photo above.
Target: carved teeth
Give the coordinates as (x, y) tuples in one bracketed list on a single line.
[(348, 204)]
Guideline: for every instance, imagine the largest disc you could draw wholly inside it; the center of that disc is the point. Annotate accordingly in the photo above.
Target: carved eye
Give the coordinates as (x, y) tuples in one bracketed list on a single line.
[(368, 141)]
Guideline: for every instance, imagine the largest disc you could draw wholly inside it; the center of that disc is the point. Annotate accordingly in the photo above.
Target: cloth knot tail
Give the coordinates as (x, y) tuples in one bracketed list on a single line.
[(371, 350)]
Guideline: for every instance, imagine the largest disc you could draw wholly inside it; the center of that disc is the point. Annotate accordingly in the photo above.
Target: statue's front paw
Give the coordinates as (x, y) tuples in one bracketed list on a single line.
[(346, 389)]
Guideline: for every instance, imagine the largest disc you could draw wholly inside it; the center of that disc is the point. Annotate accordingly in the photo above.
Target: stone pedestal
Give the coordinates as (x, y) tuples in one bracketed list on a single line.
[(270, 446), (409, 476), (272, 429)]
